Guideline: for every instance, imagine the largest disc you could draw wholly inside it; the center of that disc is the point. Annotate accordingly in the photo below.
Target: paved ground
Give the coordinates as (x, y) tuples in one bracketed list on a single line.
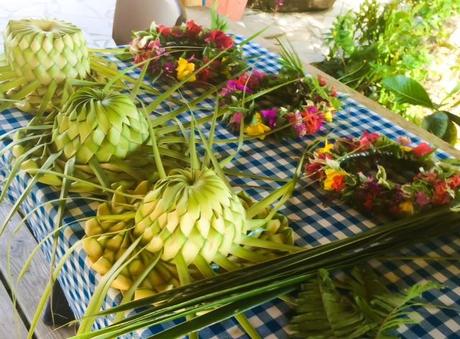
[(304, 30)]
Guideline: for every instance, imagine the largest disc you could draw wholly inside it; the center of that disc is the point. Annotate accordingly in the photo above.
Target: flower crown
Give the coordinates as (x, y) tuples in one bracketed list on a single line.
[(177, 52), (294, 105), (380, 176)]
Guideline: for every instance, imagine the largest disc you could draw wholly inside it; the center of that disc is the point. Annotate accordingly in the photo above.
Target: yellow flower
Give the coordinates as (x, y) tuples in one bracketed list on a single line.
[(407, 207), (333, 180), (257, 127), (328, 115), (185, 69), (406, 148), (326, 149)]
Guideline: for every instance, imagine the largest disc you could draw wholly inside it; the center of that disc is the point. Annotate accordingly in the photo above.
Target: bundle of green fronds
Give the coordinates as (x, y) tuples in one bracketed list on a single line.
[(231, 293), (359, 306)]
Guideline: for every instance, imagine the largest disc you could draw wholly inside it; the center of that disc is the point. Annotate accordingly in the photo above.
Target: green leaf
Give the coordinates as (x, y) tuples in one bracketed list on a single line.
[(408, 91), (360, 306), (436, 123)]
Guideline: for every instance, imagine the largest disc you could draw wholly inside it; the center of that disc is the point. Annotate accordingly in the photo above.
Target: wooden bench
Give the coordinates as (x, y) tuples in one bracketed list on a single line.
[(15, 322)]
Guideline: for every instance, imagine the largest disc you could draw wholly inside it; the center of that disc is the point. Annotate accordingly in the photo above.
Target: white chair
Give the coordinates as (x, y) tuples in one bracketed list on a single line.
[(137, 15)]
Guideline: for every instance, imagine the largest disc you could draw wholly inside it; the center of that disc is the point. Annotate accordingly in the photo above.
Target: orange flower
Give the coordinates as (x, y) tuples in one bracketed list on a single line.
[(335, 180)]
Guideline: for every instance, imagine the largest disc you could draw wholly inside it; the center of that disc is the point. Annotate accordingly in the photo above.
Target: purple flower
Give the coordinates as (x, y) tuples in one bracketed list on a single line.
[(169, 67), (234, 86), (270, 116), (312, 109), (422, 199)]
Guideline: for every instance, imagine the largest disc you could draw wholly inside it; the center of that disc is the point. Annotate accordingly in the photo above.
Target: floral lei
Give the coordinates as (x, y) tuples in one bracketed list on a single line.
[(177, 52), (298, 108), (377, 175)]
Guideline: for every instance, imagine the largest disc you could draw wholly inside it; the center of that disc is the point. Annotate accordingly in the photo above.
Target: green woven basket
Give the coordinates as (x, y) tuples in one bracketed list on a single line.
[(291, 5)]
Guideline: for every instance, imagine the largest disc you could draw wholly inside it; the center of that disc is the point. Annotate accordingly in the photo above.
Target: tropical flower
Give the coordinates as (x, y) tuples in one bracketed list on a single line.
[(233, 86), (312, 120), (335, 180), (193, 29), (185, 69), (422, 150), (257, 127), (326, 149), (407, 207), (220, 40), (270, 116)]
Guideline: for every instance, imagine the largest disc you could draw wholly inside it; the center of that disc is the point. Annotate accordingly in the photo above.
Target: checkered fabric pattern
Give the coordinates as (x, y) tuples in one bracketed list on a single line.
[(314, 222)]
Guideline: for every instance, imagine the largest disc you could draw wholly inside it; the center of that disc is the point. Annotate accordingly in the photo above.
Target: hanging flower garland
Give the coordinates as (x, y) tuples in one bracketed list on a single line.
[(294, 108), (177, 52), (379, 176)]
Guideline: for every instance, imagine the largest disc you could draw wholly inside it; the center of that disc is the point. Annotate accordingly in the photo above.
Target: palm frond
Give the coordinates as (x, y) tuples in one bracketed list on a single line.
[(361, 306)]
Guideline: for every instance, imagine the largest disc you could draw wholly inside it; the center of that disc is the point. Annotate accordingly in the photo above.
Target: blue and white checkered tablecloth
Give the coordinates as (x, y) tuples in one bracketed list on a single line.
[(314, 222)]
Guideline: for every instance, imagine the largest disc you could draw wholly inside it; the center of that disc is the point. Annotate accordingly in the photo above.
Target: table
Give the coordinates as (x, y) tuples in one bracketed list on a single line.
[(313, 222)]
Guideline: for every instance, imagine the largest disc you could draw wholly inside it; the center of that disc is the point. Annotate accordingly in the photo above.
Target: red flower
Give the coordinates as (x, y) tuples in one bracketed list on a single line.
[(205, 74), (193, 29), (314, 170), (164, 30), (454, 182), (440, 194), (338, 183), (177, 32), (220, 39), (312, 120), (422, 150)]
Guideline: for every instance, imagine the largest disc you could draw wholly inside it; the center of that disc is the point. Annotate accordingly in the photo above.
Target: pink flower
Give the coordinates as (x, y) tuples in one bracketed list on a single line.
[(322, 81), (422, 199), (422, 150), (155, 46), (367, 140), (233, 86), (296, 120), (252, 79), (235, 120), (270, 116), (220, 39), (405, 141)]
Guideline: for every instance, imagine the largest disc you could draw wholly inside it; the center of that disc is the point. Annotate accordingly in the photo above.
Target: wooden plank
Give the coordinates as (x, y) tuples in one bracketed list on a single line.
[(11, 325), (29, 290)]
